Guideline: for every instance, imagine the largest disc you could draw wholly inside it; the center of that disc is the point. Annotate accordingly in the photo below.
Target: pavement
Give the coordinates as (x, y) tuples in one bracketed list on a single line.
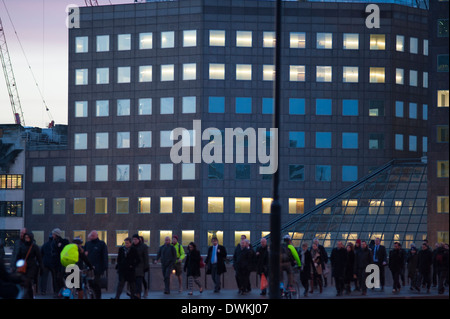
[(328, 293)]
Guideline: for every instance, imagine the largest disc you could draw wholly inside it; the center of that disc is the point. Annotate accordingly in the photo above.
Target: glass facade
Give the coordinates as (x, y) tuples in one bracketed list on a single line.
[(390, 203)]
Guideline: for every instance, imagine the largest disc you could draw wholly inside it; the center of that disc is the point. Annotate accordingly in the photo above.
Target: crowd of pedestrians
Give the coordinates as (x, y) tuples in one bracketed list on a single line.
[(420, 268)]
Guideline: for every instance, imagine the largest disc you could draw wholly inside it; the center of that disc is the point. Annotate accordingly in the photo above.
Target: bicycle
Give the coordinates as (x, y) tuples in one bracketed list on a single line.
[(292, 292), (87, 275)]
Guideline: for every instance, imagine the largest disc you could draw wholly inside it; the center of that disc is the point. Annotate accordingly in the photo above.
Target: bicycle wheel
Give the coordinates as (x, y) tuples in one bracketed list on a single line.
[(295, 293)]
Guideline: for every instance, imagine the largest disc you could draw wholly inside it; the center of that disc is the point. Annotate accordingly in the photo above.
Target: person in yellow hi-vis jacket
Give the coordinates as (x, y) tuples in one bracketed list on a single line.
[(180, 256)]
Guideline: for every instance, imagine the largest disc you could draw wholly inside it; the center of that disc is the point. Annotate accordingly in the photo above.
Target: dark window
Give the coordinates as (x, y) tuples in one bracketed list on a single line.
[(376, 108), (442, 28), (442, 63), (296, 172)]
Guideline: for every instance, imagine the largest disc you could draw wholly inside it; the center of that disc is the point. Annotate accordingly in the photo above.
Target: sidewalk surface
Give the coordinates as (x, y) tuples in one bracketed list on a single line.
[(328, 293)]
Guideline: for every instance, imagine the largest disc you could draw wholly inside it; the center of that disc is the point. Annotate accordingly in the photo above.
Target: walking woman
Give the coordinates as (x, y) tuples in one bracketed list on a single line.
[(317, 269), (31, 253), (192, 268)]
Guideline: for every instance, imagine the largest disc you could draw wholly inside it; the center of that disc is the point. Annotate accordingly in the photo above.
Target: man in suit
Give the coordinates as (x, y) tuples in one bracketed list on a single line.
[(215, 262), (380, 259)]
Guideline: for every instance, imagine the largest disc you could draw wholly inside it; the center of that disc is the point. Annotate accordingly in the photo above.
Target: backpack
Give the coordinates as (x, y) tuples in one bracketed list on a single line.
[(286, 254), (69, 255)]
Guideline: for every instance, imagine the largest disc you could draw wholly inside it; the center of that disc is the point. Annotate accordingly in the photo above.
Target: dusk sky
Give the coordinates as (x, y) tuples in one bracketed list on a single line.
[(41, 27)]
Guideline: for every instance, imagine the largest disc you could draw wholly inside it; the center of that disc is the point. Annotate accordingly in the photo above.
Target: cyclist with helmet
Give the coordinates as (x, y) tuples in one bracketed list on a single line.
[(289, 259), (82, 262)]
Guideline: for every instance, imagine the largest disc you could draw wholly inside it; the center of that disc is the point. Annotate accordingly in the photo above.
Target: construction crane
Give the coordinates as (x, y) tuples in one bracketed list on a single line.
[(91, 2), (10, 79)]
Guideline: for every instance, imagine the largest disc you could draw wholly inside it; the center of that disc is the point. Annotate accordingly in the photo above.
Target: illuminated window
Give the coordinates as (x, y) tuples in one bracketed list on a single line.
[(187, 236), (324, 41), (242, 204), (144, 205), (442, 134), (189, 71), (145, 234), (399, 76), (79, 205), (120, 237), (244, 39), (296, 206), (243, 72), (400, 43), (350, 206), (268, 72), (81, 44), (266, 205), (269, 40), (101, 205), (326, 210), (215, 204), (80, 173), (215, 233), (123, 74), (59, 206), (442, 204), (188, 204), (297, 73), (123, 42), (38, 174), (81, 76), (145, 73), (323, 73), (102, 43), (167, 39), (217, 38), (189, 38), (167, 72), (442, 98), (376, 75), (38, 206), (144, 172), (122, 205), (216, 71), (442, 168), (350, 74), (81, 141), (166, 205), (377, 42), (297, 40), (101, 173), (351, 41), (238, 234), (162, 236), (442, 236), (145, 41)]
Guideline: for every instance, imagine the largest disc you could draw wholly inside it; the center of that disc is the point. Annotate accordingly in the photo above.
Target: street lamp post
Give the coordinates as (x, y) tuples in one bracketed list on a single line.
[(275, 209)]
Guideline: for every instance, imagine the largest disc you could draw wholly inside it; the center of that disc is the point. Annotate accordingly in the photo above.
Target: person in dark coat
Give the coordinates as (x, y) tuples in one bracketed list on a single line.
[(262, 262), (142, 251), (441, 261), (338, 262), (127, 260), (349, 271), (412, 261), (245, 266), (168, 256), (424, 264), (49, 267), (192, 268), (379, 256), (215, 262), (306, 267), (31, 253), (324, 262), (236, 257), (58, 244), (396, 262), (97, 252), (363, 257)]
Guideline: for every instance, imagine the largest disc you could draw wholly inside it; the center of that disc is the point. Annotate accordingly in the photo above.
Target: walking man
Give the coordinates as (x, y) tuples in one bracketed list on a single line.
[(338, 261), (97, 253), (168, 256), (215, 262), (380, 259), (396, 262), (178, 264)]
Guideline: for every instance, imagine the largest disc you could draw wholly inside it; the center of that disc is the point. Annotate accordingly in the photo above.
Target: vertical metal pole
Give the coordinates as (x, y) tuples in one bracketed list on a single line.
[(275, 209)]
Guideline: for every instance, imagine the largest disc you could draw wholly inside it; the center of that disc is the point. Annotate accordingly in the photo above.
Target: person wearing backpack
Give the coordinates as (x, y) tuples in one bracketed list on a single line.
[(180, 256), (289, 259), (31, 253)]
